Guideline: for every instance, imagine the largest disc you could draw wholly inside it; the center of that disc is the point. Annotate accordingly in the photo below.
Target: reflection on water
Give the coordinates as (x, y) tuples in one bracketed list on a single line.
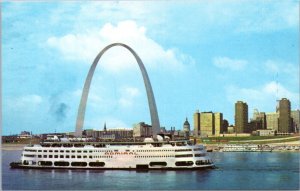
[(235, 171)]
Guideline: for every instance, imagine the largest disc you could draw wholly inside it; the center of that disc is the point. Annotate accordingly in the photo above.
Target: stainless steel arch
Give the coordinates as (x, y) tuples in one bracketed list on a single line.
[(85, 92)]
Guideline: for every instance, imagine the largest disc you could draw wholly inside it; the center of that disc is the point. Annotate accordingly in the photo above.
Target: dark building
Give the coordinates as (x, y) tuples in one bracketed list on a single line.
[(224, 127), (241, 117), (259, 121), (285, 120), (254, 125)]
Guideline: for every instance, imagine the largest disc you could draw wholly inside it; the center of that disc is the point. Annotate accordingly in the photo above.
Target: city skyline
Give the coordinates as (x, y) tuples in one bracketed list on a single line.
[(241, 52)]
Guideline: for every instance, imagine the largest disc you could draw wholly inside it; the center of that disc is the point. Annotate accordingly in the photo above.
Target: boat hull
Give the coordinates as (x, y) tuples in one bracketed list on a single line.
[(14, 165)]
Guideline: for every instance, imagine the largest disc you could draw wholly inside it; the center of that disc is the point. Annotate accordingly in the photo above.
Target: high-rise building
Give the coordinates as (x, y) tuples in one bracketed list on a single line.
[(207, 124), (272, 121), (258, 121), (285, 120), (241, 117), (196, 124), (218, 123), (296, 120)]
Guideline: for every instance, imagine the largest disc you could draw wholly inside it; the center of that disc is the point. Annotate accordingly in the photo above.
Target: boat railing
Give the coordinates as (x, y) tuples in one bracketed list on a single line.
[(104, 144)]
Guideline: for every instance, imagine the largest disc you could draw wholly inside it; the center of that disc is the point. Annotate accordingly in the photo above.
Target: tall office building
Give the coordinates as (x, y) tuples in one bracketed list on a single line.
[(272, 121), (259, 118), (218, 123), (241, 117), (285, 120), (207, 123), (196, 124)]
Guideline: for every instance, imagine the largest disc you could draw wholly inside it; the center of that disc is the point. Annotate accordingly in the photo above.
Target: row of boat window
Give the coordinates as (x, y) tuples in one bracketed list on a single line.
[(190, 163), (176, 156), (65, 163), (61, 151), (102, 156), (90, 151), (190, 155), (162, 156), (101, 164), (59, 156), (85, 156)]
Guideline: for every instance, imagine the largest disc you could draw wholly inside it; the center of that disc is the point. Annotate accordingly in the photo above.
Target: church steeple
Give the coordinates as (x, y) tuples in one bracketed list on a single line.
[(104, 127)]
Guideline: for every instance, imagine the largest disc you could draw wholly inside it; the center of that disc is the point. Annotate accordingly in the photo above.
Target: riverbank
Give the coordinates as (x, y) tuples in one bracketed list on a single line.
[(293, 146), (12, 147), (276, 147)]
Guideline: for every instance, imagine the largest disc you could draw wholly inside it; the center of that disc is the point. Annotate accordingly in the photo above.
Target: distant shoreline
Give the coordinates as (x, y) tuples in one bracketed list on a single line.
[(19, 147), (12, 147)]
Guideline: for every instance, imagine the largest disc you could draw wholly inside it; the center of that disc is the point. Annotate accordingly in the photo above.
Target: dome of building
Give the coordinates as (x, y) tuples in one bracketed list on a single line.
[(186, 125), (186, 122)]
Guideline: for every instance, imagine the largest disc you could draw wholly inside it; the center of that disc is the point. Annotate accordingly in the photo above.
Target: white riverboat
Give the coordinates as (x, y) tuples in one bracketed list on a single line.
[(167, 155), (245, 148)]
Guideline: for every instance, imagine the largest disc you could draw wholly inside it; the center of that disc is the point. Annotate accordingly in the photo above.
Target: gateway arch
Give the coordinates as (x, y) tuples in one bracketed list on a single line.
[(85, 92)]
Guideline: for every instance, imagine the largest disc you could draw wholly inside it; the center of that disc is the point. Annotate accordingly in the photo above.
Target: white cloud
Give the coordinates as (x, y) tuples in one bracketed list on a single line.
[(128, 96), (228, 63), (24, 102), (263, 97), (267, 16), (274, 66), (271, 66), (85, 46)]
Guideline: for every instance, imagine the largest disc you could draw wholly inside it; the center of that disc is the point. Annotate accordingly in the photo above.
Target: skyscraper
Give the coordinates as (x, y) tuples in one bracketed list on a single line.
[(241, 117), (196, 123), (285, 120), (218, 123), (272, 121), (259, 118), (207, 124)]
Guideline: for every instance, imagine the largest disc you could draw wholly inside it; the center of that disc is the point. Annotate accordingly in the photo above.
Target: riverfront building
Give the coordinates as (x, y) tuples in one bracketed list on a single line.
[(261, 118), (241, 117), (224, 128), (208, 124), (197, 124), (272, 120), (142, 130), (296, 120), (285, 120), (108, 134), (218, 123)]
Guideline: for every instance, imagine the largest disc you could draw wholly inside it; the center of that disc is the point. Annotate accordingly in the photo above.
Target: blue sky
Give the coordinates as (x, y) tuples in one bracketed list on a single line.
[(202, 55)]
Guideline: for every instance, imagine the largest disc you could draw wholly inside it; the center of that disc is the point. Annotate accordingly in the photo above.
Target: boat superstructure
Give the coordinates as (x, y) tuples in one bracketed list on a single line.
[(115, 155)]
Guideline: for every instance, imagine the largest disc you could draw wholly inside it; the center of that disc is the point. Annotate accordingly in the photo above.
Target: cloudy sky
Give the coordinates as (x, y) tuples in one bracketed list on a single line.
[(202, 55)]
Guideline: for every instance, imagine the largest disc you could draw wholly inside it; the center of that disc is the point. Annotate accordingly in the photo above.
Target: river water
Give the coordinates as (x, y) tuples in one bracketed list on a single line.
[(236, 171)]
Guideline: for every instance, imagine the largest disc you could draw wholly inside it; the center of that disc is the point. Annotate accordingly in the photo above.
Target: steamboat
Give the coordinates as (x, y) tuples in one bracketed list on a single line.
[(169, 155)]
